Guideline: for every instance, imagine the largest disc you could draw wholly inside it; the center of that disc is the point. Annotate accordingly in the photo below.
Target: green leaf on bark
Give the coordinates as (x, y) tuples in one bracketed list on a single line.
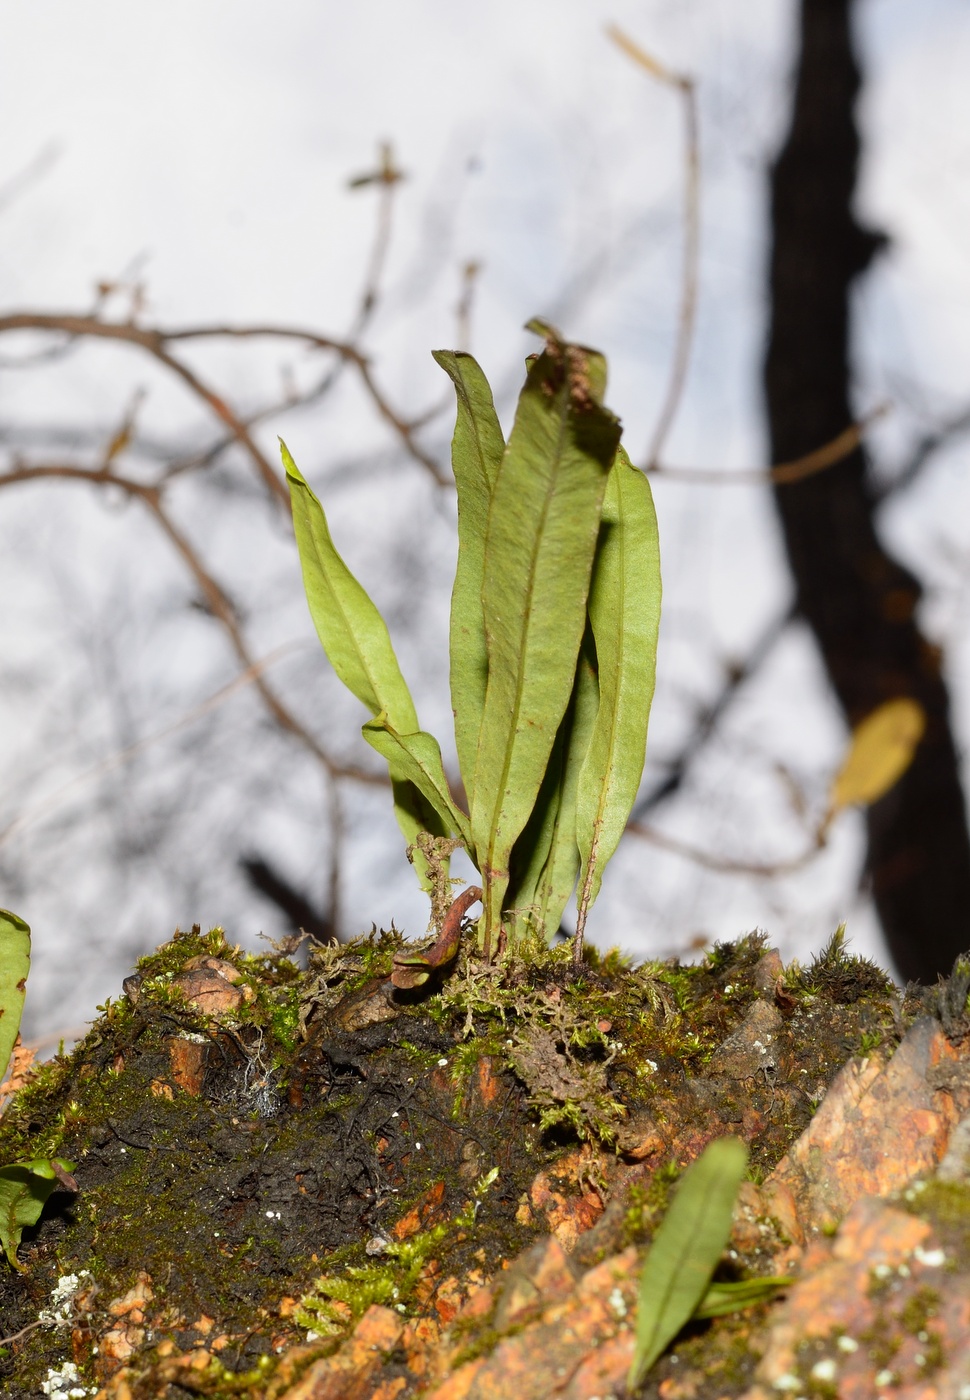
[(624, 613), (24, 1189), (476, 455), (685, 1251), (14, 966), (732, 1295), (542, 529)]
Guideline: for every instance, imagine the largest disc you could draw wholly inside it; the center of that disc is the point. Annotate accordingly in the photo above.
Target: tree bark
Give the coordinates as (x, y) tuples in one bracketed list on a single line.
[(859, 602)]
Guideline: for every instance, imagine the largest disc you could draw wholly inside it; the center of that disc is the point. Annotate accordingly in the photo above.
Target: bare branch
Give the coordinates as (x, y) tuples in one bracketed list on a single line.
[(156, 343), (29, 174), (685, 87), (926, 447), (785, 473), (299, 910), (117, 759), (387, 178), (726, 865), (216, 598), (705, 727), (466, 302)]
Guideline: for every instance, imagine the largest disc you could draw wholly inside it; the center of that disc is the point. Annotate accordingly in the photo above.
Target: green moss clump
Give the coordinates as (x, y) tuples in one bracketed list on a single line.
[(838, 975)]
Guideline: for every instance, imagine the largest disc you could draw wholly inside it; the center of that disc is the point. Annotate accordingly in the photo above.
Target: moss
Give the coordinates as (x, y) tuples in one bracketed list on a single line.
[(192, 1188), (712, 1359), (946, 1206), (304, 1140), (919, 1308), (838, 975), (933, 1353), (391, 1280), (950, 999)]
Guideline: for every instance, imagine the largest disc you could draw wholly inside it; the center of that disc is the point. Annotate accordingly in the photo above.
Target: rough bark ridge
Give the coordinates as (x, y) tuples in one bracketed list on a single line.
[(858, 600)]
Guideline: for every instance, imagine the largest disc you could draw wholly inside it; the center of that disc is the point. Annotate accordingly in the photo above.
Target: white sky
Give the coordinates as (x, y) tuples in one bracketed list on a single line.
[(207, 144)]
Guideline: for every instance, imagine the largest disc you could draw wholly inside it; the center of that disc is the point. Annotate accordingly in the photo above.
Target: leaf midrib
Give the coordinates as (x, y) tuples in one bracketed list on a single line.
[(520, 682)]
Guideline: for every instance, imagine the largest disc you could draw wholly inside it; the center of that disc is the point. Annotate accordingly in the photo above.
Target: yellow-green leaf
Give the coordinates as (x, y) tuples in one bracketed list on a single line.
[(476, 454), (685, 1251), (24, 1189), (357, 643), (624, 612), (734, 1294), (880, 751), (417, 758), (14, 966), (352, 631), (542, 530), (545, 859)]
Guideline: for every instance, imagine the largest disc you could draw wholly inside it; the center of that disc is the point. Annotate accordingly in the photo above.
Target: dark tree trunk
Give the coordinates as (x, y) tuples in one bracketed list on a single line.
[(858, 600)]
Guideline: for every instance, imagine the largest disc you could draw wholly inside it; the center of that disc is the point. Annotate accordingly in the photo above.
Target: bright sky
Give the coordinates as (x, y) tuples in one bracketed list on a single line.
[(205, 146)]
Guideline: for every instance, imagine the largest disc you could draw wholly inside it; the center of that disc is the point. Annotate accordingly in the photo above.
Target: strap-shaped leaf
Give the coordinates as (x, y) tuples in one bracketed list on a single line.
[(685, 1251), (730, 1296), (624, 612), (358, 644), (545, 859), (14, 966), (542, 529), (417, 758), (476, 454), (352, 631)]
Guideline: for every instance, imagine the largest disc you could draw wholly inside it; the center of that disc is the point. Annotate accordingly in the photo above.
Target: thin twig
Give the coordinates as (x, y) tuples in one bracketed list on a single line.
[(929, 444), (466, 302), (35, 169), (16, 1336), (387, 177), (404, 428), (200, 460), (121, 756), (785, 473), (687, 315), (336, 859), (726, 865), (156, 342), (736, 676), (217, 600)]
